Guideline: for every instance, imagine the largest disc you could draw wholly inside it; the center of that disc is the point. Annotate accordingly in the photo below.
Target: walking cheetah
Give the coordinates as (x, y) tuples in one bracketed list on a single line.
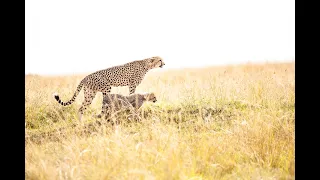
[(129, 74), (116, 102)]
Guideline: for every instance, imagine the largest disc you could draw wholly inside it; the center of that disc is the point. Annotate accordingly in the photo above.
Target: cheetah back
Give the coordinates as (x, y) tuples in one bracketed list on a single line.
[(123, 75)]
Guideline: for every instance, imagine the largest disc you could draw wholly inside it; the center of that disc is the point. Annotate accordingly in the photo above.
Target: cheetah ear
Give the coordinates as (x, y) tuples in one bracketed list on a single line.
[(145, 96), (152, 60)]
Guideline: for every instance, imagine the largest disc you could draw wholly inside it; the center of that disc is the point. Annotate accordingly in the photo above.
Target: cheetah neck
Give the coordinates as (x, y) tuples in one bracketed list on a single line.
[(146, 68)]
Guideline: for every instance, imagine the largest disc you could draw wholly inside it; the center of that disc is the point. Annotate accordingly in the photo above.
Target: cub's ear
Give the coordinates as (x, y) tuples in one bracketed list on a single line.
[(146, 96)]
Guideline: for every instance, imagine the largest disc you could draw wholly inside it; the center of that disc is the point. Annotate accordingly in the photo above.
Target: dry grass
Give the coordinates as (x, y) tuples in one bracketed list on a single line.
[(232, 122)]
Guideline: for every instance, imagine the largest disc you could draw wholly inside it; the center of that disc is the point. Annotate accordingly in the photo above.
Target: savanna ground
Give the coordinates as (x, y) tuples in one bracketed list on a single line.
[(230, 122)]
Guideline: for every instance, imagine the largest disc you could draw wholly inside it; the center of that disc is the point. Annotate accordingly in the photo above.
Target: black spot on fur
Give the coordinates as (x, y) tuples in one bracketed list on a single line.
[(56, 97)]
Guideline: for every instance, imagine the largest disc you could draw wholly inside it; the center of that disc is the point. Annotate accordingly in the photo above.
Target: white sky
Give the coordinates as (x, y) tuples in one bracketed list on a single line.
[(77, 36)]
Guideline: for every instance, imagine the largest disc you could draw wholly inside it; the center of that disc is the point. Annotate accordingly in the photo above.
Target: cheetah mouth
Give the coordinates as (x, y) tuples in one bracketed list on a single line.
[(154, 101)]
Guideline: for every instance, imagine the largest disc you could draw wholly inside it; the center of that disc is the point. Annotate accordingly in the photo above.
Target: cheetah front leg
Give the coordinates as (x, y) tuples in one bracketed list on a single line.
[(104, 108), (132, 88)]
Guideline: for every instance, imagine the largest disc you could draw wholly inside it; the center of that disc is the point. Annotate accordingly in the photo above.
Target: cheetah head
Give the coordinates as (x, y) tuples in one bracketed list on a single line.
[(150, 97), (155, 62)]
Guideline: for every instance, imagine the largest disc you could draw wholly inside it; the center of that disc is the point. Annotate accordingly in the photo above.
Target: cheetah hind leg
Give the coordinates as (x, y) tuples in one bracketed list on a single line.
[(88, 98), (105, 107), (103, 112)]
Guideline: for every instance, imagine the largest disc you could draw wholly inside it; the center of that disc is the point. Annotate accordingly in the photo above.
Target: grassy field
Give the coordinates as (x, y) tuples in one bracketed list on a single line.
[(230, 122)]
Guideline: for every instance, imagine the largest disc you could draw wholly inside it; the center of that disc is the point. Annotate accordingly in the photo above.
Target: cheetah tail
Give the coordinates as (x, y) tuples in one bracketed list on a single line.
[(56, 96)]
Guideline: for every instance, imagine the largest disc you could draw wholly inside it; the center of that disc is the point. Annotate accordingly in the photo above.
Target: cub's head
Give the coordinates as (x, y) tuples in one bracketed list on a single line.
[(154, 62), (150, 97)]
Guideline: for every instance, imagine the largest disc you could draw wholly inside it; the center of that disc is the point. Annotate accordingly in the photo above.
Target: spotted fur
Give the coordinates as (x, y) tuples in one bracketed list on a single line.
[(130, 74)]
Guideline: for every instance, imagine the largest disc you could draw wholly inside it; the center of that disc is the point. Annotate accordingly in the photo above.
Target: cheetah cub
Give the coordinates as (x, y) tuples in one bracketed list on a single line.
[(130, 74), (113, 103)]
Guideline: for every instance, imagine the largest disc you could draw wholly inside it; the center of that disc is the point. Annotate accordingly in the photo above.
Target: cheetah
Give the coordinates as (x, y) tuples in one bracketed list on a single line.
[(116, 102), (130, 74)]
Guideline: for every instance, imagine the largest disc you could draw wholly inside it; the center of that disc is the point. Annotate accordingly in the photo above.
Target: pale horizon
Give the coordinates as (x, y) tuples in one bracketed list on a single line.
[(73, 37)]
